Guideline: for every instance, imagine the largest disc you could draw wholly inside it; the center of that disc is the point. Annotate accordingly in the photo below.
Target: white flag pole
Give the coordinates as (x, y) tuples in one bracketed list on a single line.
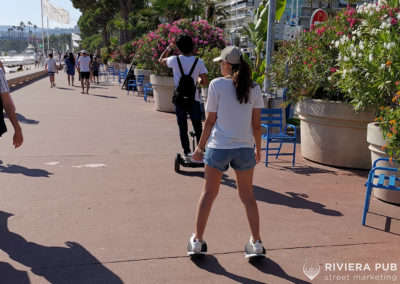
[(41, 3), (48, 40)]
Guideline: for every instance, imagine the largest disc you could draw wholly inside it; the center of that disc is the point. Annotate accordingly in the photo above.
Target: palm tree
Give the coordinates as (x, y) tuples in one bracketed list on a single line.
[(30, 32), (22, 28), (9, 32), (14, 28), (34, 33), (214, 14), (172, 10)]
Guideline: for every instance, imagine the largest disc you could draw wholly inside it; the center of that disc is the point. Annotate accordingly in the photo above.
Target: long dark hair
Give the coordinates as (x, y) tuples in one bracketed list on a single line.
[(242, 80), (71, 58)]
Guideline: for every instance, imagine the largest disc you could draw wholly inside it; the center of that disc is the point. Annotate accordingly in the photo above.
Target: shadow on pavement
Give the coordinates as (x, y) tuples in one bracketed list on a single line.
[(14, 169), (268, 266), (308, 170), (97, 86), (103, 96), (23, 119), (292, 199), (211, 264), (58, 265), (67, 89), (10, 275)]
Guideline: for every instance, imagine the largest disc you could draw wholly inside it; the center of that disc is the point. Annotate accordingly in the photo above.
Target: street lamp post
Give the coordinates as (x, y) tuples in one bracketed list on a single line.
[(270, 41)]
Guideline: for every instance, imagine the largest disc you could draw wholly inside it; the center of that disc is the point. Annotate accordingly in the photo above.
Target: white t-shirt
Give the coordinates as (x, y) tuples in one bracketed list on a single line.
[(187, 63), (233, 127), (84, 63), (51, 65)]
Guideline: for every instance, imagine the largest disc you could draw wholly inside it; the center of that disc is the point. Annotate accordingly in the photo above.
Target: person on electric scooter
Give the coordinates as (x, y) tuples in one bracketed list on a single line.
[(193, 66)]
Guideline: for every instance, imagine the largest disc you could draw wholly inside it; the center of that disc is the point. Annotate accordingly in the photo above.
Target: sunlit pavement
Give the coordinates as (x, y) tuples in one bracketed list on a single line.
[(92, 197)]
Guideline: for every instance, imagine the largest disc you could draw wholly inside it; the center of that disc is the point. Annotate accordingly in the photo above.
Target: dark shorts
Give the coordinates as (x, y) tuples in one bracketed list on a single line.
[(71, 72), (96, 73), (51, 73), (240, 159), (85, 75)]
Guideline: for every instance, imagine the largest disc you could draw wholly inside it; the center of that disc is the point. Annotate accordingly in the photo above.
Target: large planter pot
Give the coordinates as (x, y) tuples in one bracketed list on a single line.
[(163, 90), (376, 140), (333, 134)]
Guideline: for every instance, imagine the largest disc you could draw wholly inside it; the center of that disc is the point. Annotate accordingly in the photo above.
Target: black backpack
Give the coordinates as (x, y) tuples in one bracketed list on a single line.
[(184, 95)]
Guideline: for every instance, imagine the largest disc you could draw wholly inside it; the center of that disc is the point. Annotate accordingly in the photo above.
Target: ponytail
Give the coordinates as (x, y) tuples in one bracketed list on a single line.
[(242, 80)]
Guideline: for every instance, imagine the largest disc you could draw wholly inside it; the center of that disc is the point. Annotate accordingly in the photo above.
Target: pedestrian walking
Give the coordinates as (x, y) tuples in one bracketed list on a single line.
[(231, 137), (84, 67), (7, 103), (95, 70), (65, 62), (70, 63), (186, 64), (51, 67), (77, 66)]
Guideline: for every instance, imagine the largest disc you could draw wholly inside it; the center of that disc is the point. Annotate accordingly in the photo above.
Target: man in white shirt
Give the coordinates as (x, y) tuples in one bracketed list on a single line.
[(51, 67), (199, 74), (84, 69)]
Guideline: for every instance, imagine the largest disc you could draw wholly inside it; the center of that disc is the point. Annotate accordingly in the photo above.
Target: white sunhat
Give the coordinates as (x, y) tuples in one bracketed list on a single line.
[(84, 51), (231, 54)]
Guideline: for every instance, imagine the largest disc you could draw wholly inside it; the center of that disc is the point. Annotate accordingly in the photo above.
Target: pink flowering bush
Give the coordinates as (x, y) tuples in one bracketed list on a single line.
[(148, 48), (369, 58), (353, 57), (312, 60), (369, 67)]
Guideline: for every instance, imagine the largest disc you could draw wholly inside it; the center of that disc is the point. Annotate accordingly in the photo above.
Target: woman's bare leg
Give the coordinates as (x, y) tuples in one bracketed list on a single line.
[(210, 192), (245, 188)]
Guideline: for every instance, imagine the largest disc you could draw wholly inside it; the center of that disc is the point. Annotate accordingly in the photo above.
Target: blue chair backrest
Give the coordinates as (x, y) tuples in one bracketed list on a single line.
[(272, 117)]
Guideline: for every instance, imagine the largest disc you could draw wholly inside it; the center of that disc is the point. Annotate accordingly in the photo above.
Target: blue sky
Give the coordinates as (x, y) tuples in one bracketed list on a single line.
[(14, 11)]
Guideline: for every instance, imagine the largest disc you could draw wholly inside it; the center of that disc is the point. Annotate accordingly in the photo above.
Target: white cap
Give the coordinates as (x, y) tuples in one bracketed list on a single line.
[(231, 54)]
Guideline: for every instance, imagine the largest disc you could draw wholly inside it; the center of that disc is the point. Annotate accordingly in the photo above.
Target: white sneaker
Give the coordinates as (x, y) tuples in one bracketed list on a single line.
[(196, 247), (254, 248)]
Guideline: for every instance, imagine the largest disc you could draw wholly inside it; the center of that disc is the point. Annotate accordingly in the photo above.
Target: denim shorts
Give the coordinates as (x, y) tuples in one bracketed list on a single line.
[(240, 159)]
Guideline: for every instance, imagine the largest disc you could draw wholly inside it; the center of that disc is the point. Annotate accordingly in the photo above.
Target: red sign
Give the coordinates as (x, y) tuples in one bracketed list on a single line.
[(317, 17)]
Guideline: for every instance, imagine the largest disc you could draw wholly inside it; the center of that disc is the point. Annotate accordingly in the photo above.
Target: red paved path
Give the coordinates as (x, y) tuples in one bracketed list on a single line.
[(130, 220)]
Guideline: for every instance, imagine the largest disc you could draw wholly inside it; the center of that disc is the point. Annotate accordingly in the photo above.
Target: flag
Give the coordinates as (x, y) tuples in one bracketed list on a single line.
[(58, 15)]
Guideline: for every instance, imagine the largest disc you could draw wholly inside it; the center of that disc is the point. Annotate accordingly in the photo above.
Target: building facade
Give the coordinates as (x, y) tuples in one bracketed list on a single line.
[(241, 12)]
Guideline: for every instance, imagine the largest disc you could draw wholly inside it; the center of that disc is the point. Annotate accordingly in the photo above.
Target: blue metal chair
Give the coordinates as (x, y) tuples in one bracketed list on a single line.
[(122, 76), (147, 89), (140, 83), (383, 181), (110, 71), (131, 86), (272, 119)]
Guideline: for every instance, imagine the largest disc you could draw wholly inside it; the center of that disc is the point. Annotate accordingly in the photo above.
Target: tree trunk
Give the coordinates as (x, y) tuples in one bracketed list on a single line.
[(106, 38), (125, 8)]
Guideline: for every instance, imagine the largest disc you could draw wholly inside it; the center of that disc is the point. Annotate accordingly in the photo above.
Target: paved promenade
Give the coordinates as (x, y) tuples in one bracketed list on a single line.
[(92, 197)]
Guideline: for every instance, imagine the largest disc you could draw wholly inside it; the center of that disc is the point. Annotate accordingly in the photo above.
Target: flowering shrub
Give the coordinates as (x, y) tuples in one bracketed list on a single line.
[(149, 47), (311, 62), (390, 125), (369, 62), (369, 58), (353, 57)]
